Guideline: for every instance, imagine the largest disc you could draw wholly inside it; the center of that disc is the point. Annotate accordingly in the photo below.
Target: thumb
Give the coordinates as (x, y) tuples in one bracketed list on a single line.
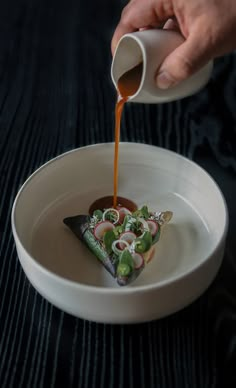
[(183, 62)]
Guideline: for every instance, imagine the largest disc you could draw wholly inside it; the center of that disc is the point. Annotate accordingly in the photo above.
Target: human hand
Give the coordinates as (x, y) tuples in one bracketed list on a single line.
[(209, 27)]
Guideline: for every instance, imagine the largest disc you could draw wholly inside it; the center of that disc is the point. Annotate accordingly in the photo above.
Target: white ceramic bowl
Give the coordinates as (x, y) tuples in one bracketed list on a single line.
[(57, 264)]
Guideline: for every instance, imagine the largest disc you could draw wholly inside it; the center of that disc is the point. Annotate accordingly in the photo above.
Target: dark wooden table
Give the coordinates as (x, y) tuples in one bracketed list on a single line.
[(55, 95)]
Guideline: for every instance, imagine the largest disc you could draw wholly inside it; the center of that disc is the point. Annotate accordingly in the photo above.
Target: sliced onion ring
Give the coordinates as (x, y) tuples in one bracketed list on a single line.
[(112, 211), (115, 249), (132, 220)]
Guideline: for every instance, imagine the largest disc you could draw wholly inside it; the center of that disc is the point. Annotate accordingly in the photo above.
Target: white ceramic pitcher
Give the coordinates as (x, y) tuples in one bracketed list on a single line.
[(151, 47)]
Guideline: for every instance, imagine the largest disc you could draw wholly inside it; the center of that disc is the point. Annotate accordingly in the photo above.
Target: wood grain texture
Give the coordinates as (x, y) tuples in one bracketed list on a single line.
[(55, 95)]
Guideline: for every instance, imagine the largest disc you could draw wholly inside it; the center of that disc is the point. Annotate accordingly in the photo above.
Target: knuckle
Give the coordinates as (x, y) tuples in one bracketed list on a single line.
[(187, 67), (164, 8), (125, 15), (168, 7)]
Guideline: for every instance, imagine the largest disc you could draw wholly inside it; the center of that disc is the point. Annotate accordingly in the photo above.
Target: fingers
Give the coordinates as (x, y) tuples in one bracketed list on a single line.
[(183, 62), (171, 24), (135, 16)]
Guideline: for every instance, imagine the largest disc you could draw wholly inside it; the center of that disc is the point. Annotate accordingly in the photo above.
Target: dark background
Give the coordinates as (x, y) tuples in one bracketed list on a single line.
[(55, 95)]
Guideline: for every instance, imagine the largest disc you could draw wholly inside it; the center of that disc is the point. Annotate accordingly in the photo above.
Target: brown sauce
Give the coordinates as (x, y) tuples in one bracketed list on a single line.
[(129, 82), (128, 85), (107, 202)]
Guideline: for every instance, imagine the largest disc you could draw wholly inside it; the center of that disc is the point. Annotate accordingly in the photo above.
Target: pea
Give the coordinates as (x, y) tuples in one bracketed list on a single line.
[(123, 269), (143, 243)]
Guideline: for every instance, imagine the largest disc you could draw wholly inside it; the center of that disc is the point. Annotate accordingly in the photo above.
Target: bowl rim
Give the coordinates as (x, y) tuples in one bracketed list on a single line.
[(122, 290)]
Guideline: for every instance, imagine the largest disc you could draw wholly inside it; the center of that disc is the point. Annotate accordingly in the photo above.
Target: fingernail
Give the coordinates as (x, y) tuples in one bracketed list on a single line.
[(164, 80)]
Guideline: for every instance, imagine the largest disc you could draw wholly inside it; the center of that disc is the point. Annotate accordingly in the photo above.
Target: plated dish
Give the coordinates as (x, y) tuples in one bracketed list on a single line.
[(123, 241)]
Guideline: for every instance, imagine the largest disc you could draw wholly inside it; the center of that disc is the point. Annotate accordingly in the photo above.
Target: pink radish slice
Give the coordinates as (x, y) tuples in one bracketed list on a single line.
[(121, 245), (123, 211), (128, 236), (138, 260), (101, 228), (153, 227)]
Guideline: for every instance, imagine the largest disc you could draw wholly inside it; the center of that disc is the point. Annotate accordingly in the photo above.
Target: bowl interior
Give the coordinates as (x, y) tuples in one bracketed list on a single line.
[(148, 175)]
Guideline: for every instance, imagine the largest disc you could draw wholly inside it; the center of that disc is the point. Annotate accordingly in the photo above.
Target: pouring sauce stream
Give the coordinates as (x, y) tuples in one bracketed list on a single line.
[(128, 85)]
